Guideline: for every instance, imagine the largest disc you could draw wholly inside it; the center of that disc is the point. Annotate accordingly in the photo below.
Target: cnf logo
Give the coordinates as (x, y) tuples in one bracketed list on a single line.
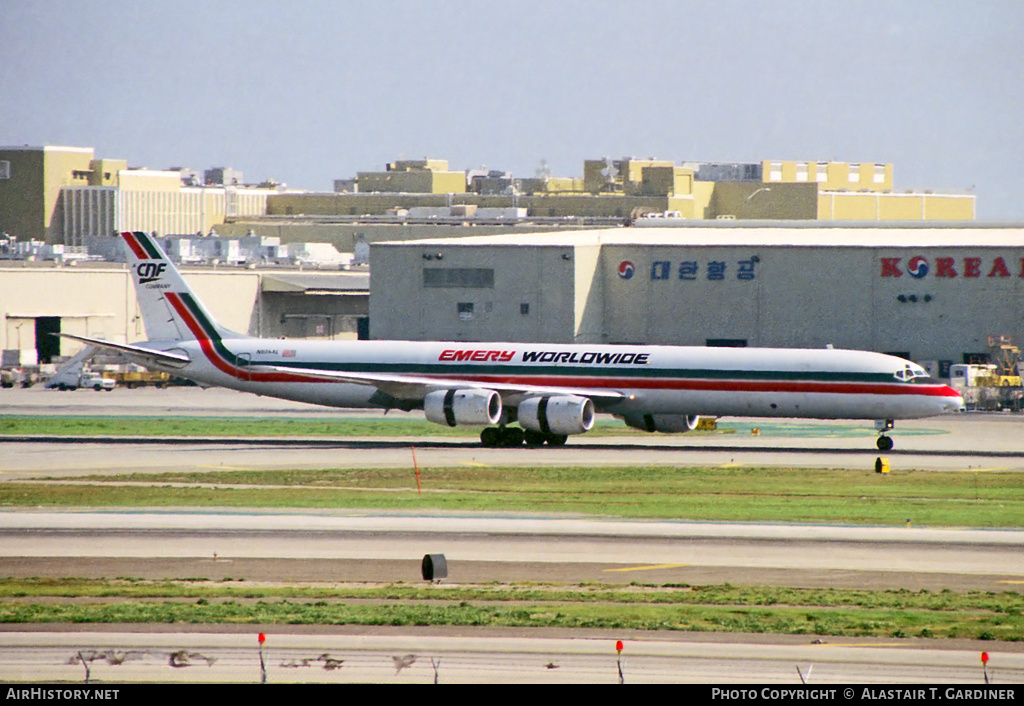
[(150, 271), (626, 269)]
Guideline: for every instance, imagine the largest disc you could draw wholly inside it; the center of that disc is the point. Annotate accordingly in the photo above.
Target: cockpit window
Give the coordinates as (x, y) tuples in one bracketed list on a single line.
[(911, 373)]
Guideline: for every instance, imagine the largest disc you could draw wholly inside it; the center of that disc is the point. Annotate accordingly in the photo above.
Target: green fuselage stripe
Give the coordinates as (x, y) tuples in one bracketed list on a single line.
[(639, 372)]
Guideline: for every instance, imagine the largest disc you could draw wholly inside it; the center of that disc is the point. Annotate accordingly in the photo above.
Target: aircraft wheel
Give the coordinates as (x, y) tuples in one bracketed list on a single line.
[(512, 436), (884, 443), (534, 438), (489, 437), (557, 439)]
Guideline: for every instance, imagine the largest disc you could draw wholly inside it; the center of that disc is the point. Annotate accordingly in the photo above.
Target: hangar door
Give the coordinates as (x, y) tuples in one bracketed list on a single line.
[(47, 341)]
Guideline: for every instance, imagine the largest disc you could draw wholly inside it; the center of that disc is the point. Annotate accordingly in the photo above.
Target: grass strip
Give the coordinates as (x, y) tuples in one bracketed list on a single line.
[(864, 622), (74, 425), (968, 499), (222, 426), (396, 425), (1007, 602)]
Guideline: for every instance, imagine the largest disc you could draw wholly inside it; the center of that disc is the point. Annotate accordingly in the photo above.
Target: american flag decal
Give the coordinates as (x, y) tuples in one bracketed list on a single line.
[(288, 353)]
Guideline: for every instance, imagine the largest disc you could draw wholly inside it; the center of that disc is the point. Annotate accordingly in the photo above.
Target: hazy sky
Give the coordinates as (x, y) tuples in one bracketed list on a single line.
[(309, 91)]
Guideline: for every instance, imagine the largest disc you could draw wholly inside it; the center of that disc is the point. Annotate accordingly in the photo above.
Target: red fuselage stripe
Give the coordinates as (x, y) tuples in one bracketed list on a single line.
[(714, 385), (134, 244)]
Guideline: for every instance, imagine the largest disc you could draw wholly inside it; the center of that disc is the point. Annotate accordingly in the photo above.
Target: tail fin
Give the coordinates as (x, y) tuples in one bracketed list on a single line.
[(170, 310)]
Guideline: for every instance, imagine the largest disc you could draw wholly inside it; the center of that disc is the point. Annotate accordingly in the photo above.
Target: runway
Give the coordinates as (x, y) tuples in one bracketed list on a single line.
[(991, 442), (274, 547), (321, 546), (338, 655), (360, 547), (324, 548)]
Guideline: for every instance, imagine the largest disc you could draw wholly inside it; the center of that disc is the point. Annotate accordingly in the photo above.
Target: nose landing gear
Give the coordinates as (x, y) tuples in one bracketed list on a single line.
[(884, 442)]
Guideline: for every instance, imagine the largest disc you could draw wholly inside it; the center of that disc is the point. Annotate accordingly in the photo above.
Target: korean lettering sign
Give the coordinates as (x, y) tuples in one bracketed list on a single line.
[(691, 270)]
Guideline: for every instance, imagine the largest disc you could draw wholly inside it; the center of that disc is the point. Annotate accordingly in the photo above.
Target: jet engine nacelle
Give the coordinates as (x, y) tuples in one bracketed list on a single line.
[(667, 423), (557, 415), (453, 407)]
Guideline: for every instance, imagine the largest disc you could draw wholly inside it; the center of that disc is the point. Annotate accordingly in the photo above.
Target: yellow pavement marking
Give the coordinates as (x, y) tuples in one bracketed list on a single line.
[(227, 468), (976, 470)]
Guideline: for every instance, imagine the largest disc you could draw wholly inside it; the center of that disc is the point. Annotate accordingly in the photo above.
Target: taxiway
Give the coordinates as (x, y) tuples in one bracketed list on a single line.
[(323, 546)]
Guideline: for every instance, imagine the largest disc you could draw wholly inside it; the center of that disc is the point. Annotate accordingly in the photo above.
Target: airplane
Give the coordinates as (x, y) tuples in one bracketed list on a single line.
[(552, 390)]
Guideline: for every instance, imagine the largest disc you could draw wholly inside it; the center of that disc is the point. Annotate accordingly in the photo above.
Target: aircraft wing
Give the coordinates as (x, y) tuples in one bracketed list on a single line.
[(140, 355), (417, 386)]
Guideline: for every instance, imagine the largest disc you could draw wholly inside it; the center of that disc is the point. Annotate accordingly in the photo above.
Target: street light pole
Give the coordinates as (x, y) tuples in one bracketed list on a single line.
[(746, 201)]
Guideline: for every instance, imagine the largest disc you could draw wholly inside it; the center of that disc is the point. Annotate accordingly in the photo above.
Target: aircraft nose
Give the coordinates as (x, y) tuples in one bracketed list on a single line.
[(953, 403)]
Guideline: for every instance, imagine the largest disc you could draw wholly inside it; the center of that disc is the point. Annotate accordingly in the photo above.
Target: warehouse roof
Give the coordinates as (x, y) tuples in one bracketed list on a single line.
[(315, 283), (782, 234)]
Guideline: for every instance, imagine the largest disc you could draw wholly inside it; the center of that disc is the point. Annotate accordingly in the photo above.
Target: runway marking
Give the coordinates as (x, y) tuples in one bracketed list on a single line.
[(977, 470), (478, 464), (860, 644), (1010, 581), (652, 566)]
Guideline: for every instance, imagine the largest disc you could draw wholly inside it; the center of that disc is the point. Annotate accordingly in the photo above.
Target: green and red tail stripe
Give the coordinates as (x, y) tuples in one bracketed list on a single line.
[(142, 246), (213, 347)]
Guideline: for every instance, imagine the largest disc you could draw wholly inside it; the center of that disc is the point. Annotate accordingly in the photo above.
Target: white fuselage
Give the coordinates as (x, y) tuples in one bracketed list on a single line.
[(807, 383)]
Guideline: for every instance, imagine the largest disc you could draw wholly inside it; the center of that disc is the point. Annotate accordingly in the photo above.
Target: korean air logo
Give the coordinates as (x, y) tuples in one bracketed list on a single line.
[(917, 267), (150, 271), (626, 269)]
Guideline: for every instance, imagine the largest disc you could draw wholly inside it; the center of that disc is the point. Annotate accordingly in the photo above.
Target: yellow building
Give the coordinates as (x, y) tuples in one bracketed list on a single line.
[(628, 188), (910, 206), (64, 195), (830, 176), (31, 179), (864, 192), (426, 176)]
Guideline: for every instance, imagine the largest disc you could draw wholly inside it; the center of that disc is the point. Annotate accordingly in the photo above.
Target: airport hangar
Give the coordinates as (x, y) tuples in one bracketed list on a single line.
[(930, 292), (927, 292), (38, 299)]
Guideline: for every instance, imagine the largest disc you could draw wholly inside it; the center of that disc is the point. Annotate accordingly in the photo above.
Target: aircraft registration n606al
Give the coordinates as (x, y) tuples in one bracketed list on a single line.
[(552, 391)]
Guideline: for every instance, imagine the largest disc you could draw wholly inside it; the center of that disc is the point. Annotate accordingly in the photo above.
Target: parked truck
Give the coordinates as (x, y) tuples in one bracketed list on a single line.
[(984, 387), (86, 381), (19, 377), (73, 375), (141, 378)]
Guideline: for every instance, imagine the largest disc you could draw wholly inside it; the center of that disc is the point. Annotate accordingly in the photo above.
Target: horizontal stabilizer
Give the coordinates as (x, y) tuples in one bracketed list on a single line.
[(143, 356)]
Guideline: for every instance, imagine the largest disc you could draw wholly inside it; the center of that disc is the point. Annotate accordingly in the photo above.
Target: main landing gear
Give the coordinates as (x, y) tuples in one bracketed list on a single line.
[(505, 437), (884, 442)]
